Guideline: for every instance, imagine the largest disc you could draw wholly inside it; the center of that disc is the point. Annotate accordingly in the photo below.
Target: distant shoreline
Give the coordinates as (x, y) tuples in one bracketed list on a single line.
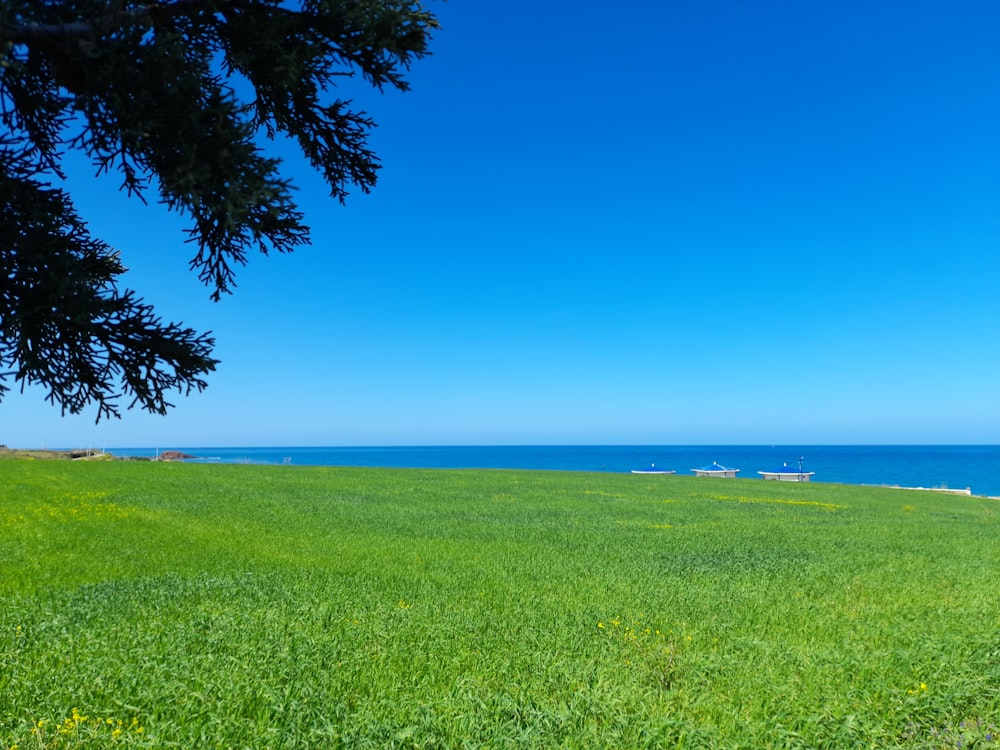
[(56, 455), (87, 454)]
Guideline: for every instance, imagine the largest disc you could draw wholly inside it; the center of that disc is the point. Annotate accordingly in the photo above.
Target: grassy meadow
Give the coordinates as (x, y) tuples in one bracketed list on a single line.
[(233, 606)]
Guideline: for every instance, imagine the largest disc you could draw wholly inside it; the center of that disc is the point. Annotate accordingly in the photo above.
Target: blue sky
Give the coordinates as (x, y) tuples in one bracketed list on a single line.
[(678, 223)]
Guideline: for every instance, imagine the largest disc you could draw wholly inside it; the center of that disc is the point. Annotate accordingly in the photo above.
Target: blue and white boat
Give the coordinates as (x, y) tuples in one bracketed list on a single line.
[(788, 474), (715, 470), (652, 470)]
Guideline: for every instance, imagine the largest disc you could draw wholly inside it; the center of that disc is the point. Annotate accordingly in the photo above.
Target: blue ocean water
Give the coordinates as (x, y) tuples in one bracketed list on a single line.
[(953, 466)]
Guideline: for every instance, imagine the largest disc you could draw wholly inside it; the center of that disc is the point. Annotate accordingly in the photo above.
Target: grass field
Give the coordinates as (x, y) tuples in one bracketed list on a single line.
[(192, 606)]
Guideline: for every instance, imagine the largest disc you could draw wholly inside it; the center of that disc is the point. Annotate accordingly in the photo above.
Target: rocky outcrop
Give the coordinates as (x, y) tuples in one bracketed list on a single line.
[(174, 456)]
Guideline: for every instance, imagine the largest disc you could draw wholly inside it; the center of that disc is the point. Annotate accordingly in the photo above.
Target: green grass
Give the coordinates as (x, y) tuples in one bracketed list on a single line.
[(171, 605)]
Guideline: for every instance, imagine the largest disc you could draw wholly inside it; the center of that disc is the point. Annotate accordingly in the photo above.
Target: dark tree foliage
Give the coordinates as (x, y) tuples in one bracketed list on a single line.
[(145, 89)]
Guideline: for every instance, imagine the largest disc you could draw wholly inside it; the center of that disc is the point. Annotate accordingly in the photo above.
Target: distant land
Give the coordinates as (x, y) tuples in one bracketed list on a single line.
[(87, 454)]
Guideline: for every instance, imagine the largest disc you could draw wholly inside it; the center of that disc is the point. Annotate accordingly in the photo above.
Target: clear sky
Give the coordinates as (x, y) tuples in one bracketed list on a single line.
[(640, 222)]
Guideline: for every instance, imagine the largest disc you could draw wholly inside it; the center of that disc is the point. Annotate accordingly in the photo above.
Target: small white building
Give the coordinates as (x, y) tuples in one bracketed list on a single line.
[(715, 470), (788, 474)]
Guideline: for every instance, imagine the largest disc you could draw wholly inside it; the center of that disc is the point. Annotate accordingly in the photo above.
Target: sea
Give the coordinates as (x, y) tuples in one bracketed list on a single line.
[(957, 467)]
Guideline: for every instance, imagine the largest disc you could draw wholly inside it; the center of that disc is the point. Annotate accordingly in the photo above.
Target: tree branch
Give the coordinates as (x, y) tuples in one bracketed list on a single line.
[(48, 32)]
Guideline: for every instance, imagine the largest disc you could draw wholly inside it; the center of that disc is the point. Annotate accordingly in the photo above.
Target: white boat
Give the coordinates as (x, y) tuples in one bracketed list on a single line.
[(652, 470), (715, 470), (787, 474)]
